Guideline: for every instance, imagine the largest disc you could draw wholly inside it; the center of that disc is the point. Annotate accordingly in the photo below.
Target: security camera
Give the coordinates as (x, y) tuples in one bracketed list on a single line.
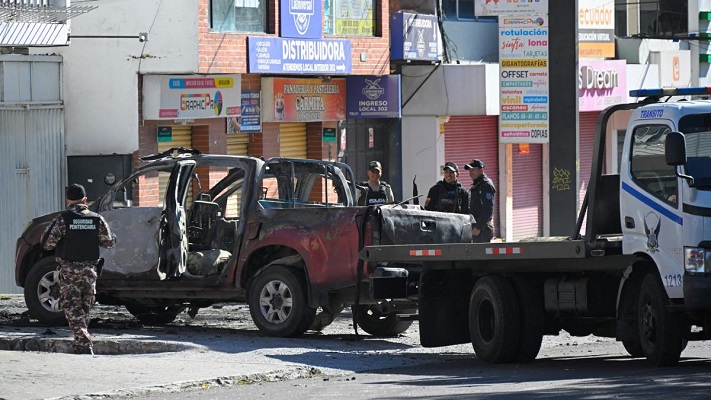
[(143, 37)]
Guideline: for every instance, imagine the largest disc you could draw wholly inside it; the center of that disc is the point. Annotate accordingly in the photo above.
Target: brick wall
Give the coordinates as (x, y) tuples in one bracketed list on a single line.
[(221, 52)]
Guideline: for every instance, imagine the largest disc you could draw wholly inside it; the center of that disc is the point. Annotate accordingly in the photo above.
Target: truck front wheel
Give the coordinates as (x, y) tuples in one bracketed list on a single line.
[(278, 302), (373, 321), (494, 322), (42, 292), (660, 331)]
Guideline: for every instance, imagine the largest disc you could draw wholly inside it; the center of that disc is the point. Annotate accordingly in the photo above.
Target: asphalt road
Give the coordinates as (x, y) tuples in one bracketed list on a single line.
[(221, 355)]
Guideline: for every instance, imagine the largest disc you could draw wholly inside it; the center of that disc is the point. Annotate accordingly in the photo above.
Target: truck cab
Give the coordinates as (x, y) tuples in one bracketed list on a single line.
[(665, 204)]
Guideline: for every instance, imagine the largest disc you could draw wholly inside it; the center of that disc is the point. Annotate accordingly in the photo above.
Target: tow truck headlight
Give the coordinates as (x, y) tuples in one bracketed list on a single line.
[(695, 259)]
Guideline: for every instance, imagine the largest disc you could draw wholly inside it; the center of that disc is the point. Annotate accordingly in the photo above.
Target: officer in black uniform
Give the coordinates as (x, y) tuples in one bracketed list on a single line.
[(77, 234), (448, 195), (376, 191), (482, 202)]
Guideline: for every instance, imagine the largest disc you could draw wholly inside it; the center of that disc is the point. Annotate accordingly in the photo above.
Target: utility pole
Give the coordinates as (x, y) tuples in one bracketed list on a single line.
[(564, 149)]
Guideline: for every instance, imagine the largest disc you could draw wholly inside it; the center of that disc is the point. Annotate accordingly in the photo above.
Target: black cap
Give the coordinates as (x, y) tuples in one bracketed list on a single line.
[(474, 164), (75, 191), (451, 165), (375, 165)]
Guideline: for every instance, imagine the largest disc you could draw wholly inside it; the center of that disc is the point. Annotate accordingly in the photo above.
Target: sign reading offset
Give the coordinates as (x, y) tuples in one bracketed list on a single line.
[(523, 80)]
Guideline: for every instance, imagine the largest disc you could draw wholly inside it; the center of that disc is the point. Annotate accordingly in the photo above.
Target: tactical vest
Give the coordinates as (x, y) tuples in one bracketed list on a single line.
[(373, 197), (81, 240)]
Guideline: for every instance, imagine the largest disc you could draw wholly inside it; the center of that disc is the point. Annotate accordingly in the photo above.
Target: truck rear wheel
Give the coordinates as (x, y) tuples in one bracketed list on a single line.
[(530, 302), (278, 302), (42, 292), (660, 331), (494, 322), (371, 320)]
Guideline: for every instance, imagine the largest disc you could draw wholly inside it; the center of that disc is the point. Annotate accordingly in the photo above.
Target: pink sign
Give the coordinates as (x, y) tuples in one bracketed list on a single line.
[(601, 84)]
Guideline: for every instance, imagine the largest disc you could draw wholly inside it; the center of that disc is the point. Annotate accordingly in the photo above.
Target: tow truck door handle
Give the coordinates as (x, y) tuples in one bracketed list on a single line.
[(629, 222)]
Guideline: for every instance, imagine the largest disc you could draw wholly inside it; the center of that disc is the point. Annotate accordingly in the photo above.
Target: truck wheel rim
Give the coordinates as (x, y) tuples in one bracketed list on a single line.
[(648, 321), (275, 302), (48, 291)]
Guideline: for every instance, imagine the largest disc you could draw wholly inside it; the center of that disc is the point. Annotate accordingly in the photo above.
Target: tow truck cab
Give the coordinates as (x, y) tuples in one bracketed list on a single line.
[(665, 192)]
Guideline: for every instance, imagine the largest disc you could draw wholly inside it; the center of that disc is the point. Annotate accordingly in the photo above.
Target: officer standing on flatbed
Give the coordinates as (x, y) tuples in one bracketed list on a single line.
[(77, 234)]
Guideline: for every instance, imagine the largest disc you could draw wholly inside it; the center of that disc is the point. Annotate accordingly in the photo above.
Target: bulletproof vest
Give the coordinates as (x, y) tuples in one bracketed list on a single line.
[(374, 197), (81, 240)]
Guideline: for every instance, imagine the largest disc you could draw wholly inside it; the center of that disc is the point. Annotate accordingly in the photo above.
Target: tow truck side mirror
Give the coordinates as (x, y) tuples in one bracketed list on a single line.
[(675, 149)]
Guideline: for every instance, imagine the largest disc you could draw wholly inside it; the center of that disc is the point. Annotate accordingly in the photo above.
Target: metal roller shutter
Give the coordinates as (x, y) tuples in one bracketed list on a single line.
[(586, 143), (237, 144), (466, 138), (292, 140), (528, 192), (182, 137)]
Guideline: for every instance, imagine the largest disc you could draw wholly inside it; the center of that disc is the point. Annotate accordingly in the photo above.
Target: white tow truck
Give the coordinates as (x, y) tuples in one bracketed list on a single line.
[(640, 272)]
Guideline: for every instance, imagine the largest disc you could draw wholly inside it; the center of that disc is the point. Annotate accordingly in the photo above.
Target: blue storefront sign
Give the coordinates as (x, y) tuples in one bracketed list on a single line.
[(373, 96), (299, 56), (301, 19), (414, 37)]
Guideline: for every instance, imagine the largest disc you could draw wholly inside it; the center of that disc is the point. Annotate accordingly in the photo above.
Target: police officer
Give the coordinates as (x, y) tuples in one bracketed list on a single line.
[(77, 234), (448, 195), (482, 202), (377, 191)]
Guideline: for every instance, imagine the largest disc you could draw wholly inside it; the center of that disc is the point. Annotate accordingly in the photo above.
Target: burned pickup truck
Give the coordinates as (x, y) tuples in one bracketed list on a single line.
[(282, 235)]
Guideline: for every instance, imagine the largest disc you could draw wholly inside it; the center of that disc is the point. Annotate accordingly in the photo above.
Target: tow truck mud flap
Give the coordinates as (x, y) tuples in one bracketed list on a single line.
[(443, 306), (412, 226)]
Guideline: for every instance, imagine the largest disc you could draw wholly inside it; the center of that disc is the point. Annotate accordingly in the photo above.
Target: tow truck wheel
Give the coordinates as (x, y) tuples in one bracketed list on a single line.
[(42, 292), (278, 302), (530, 301), (494, 320), (660, 331), (373, 321), (154, 315), (634, 348)]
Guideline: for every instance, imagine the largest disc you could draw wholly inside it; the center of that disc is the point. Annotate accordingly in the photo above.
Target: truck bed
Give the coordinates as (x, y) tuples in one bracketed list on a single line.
[(542, 254)]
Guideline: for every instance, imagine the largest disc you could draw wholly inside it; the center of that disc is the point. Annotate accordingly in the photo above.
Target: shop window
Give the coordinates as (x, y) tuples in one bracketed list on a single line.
[(454, 10), (349, 17), (238, 15), (648, 167), (663, 17)]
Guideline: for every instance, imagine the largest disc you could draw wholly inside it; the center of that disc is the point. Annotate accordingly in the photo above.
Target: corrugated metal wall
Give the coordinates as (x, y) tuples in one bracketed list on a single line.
[(528, 192), (466, 138), (33, 165), (182, 137), (586, 142), (292, 140)]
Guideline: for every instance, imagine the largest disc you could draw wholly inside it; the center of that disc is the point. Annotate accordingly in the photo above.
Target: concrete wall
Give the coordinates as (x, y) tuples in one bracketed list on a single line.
[(100, 75), (422, 153)]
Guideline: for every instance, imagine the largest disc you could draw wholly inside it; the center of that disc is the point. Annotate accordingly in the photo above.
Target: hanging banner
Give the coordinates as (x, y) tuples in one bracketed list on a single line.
[(373, 96), (523, 79), (601, 84), (191, 96), (303, 100)]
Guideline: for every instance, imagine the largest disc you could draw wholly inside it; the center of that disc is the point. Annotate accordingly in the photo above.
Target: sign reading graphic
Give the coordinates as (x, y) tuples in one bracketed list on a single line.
[(489, 8), (523, 79), (414, 37), (191, 97), (373, 96), (303, 100), (299, 56), (301, 19), (601, 84)]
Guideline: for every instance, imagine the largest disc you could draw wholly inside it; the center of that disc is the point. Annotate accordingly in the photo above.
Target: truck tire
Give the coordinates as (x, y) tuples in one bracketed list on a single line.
[(278, 302), (154, 315), (660, 331), (494, 320), (634, 348), (530, 302), (42, 292), (378, 324)]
